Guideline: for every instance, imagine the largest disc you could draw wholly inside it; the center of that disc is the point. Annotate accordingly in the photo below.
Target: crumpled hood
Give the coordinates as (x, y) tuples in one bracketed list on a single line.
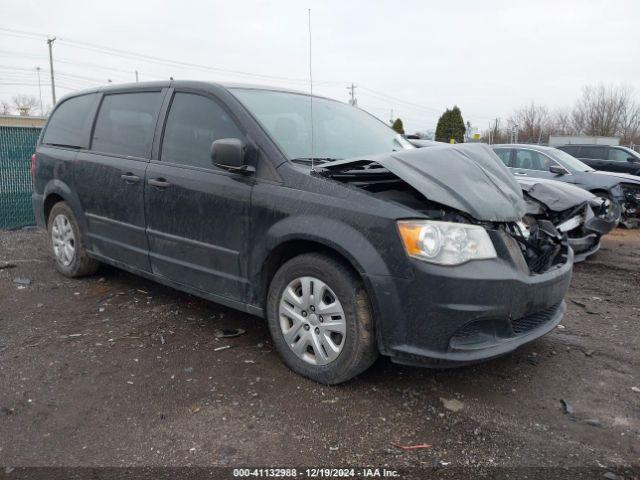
[(467, 177), (557, 196), (622, 176)]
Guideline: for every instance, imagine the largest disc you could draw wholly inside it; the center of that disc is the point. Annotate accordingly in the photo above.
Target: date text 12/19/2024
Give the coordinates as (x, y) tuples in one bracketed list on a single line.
[(315, 473)]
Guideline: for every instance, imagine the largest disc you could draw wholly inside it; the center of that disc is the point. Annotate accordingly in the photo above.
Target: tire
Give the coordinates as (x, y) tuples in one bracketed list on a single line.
[(340, 288), (67, 243)]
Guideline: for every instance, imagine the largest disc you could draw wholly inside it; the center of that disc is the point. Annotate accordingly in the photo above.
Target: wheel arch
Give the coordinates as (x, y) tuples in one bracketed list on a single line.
[(58, 191), (293, 238)]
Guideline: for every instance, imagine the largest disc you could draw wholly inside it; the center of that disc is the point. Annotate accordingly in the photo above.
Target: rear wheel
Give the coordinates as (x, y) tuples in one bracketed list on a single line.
[(67, 243), (320, 319)]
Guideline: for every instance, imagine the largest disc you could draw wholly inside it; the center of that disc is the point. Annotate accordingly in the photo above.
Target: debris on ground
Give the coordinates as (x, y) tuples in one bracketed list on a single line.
[(7, 266), (452, 405), (230, 333), (612, 476), (225, 347), (594, 422), (412, 447), (566, 407), (24, 281), (635, 389)]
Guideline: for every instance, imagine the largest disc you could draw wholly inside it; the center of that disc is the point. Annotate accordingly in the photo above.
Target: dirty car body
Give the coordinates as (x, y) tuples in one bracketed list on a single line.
[(232, 194), (444, 315)]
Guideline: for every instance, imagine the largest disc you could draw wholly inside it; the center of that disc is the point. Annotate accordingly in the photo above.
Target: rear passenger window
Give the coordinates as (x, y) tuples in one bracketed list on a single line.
[(194, 122), (593, 152), (69, 123), (125, 124), (570, 149)]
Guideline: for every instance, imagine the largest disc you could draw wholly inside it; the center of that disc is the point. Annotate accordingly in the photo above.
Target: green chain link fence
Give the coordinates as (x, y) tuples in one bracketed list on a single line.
[(17, 144)]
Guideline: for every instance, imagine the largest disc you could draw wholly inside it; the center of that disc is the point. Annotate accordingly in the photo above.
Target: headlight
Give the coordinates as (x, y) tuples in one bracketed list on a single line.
[(445, 243)]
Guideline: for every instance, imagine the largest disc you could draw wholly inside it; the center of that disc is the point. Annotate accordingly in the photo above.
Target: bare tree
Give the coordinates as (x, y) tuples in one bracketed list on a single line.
[(629, 128), (5, 108), (600, 109), (562, 123), (533, 122), (25, 104)]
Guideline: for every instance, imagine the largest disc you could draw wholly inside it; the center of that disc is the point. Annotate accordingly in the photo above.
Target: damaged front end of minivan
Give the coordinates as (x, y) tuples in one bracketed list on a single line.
[(579, 214), (492, 282)]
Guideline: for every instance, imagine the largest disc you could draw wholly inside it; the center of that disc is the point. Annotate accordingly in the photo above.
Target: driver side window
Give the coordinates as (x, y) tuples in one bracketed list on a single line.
[(618, 155), (532, 160), (193, 123)]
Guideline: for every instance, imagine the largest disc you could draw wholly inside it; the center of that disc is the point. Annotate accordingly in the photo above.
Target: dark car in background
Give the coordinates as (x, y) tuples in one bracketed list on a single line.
[(540, 161), (351, 245), (605, 157)]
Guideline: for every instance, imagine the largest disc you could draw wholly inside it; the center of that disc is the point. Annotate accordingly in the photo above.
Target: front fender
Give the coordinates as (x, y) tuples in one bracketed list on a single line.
[(333, 234)]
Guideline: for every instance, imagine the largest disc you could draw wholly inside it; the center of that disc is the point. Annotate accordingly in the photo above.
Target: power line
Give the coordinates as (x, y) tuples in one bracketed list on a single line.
[(158, 60), (399, 100)]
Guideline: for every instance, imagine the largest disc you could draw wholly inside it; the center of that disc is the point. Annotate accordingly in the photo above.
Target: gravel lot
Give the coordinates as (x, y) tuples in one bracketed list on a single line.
[(115, 370)]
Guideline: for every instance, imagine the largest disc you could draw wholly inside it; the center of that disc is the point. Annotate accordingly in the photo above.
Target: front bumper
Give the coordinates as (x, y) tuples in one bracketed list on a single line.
[(450, 316), (585, 240)]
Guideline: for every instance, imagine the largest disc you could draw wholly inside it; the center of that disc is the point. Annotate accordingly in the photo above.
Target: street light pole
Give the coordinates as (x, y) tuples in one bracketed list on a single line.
[(40, 92), (53, 82)]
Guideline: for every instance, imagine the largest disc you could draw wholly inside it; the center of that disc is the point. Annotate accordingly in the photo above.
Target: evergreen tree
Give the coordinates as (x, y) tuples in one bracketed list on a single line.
[(451, 125), (398, 126)]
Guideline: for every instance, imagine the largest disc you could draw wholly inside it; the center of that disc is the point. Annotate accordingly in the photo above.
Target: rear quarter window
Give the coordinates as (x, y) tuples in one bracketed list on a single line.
[(70, 122)]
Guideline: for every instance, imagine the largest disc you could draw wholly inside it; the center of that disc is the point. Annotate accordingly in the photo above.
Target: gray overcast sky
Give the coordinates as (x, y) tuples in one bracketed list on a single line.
[(487, 58)]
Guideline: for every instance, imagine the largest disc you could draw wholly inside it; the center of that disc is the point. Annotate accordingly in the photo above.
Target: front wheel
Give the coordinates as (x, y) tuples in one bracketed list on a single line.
[(320, 319)]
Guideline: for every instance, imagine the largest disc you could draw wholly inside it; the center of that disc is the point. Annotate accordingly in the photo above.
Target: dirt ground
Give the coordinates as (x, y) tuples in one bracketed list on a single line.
[(114, 370)]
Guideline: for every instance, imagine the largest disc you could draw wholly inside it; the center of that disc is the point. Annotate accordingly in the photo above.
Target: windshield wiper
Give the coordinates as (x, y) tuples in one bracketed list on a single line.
[(307, 160)]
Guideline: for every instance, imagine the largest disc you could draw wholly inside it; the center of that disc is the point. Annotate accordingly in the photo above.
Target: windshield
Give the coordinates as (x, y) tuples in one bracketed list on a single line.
[(571, 163), (339, 130), (631, 152)]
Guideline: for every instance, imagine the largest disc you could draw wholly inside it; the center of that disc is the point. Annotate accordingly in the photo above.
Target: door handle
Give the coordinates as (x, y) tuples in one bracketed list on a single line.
[(159, 183), (130, 177), (521, 174)]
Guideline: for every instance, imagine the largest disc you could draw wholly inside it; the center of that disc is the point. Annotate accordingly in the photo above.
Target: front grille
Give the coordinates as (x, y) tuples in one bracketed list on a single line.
[(494, 330), (542, 247)]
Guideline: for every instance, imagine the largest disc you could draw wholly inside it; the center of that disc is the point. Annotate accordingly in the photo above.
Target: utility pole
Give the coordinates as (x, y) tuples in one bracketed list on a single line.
[(352, 101), (40, 92), (136, 76), (53, 82)]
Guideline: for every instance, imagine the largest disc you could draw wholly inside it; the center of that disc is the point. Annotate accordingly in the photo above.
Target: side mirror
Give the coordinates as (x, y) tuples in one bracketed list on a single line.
[(230, 154), (632, 160), (558, 170)]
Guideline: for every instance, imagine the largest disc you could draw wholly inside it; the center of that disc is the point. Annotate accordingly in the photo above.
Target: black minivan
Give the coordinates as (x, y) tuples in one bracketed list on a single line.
[(306, 211)]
